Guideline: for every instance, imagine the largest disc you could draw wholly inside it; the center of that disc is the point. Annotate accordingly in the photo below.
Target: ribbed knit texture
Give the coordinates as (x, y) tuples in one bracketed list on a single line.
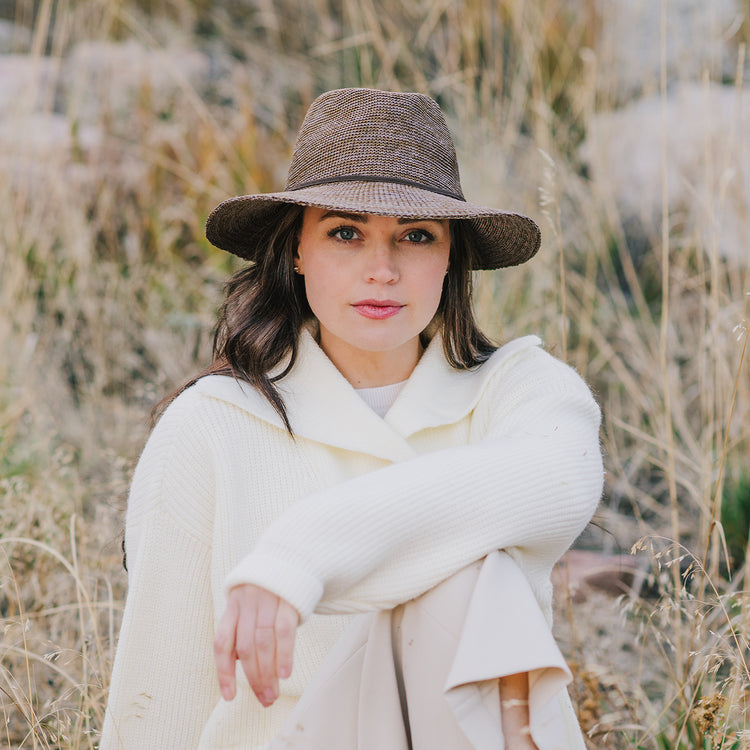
[(356, 513)]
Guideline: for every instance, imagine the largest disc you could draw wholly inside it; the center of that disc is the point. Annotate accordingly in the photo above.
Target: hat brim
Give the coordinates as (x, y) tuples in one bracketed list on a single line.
[(501, 238)]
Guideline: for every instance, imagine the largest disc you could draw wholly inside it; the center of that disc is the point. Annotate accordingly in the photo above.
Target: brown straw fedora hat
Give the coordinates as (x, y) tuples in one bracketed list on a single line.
[(375, 152)]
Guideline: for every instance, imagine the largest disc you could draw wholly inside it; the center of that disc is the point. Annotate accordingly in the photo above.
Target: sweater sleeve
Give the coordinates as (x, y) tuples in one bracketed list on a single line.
[(163, 684), (532, 481)]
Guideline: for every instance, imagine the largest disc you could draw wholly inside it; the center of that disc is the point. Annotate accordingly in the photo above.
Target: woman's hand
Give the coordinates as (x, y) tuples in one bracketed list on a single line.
[(259, 629), (514, 710)]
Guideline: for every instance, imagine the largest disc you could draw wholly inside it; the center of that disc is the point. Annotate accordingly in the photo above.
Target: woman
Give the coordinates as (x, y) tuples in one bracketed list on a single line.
[(358, 446)]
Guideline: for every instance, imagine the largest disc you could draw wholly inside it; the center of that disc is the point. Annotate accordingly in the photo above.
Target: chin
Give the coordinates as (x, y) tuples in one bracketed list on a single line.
[(380, 344)]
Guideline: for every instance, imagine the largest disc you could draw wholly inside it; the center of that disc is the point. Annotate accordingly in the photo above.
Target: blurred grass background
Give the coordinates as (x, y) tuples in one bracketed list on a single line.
[(622, 127)]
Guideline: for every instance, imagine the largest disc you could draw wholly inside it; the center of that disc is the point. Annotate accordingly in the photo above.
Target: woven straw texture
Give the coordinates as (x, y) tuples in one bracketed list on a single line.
[(377, 152)]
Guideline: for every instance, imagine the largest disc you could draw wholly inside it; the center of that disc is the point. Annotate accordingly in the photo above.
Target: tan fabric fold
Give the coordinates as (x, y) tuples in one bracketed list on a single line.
[(446, 650)]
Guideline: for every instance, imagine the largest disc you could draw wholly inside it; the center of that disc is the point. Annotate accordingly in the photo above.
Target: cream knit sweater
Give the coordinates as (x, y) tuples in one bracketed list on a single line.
[(355, 513)]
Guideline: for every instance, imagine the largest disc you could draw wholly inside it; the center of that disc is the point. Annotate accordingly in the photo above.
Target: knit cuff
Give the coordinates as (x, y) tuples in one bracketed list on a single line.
[(298, 587)]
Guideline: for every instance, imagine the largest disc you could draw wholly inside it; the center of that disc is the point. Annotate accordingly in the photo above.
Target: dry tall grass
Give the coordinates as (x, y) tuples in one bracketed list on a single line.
[(108, 292)]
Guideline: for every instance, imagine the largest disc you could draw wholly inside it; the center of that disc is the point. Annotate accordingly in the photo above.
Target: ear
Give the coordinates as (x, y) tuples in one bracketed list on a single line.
[(296, 256)]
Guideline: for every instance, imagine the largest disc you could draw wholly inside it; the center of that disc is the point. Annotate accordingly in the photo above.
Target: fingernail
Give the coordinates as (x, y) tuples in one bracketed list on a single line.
[(269, 696), (226, 693)]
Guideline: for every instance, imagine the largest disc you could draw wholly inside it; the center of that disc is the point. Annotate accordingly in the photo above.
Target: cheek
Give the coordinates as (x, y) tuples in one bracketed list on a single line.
[(321, 284), (315, 291), (431, 279)]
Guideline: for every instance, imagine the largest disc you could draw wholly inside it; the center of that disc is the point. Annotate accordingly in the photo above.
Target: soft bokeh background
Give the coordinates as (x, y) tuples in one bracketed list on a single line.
[(621, 125)]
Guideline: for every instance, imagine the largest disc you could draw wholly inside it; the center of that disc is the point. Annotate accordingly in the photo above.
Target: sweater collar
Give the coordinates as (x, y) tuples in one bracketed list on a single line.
[(322, 405), (438, 394)]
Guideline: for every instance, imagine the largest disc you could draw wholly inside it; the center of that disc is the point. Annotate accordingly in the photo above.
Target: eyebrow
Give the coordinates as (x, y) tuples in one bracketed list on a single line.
[(411, 220), (363, 218)]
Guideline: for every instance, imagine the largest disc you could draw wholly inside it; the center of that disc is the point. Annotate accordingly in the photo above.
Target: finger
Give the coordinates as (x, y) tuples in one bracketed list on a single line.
[(224, 652), (267, 685), (265, 648), (287, 620), (246, 635)]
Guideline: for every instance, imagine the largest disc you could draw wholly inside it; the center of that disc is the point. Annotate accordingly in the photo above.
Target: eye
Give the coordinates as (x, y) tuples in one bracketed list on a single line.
[(419, 235), (343, 233)]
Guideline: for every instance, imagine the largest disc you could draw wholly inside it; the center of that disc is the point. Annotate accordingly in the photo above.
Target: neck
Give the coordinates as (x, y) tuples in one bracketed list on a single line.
[(366, 369)]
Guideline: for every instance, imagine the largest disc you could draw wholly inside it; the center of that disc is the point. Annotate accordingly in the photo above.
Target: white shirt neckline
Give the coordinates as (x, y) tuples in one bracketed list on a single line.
[(382, 397)]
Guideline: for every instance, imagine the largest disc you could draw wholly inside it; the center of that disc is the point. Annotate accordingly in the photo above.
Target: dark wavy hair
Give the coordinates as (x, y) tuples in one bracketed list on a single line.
[(265, 308)]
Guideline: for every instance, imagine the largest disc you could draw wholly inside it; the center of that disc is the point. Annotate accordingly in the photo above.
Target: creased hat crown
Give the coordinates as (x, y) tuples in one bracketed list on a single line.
[(364, 134)]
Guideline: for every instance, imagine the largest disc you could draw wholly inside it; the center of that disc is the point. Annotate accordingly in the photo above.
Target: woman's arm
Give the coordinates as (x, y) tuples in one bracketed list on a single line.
[(163, 684), (532, 481)]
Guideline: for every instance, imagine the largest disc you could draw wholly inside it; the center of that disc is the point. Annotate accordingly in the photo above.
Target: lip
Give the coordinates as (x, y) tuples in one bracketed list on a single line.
[(378, 309)]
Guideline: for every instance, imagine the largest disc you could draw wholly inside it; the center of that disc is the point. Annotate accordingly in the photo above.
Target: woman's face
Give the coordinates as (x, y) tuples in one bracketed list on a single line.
[(374, 284)]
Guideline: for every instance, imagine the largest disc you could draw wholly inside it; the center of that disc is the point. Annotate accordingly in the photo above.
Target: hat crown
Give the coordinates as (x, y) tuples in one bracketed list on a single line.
[(369, 134)]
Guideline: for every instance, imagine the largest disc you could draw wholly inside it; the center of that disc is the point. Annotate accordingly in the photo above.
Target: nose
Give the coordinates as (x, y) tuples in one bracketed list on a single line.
[(382, 267)]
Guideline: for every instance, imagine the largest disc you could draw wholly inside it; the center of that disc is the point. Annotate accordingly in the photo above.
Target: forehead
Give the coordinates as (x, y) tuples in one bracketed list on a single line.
[(322, 214)]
